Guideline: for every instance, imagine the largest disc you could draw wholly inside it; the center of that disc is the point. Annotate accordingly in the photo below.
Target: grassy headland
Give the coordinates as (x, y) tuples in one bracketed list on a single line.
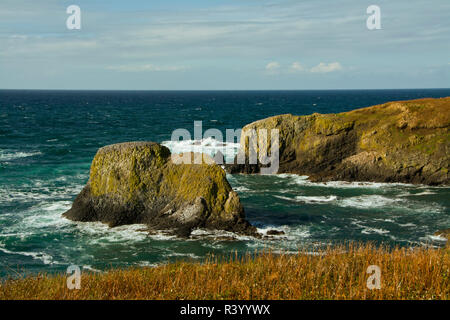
[(338, 272)]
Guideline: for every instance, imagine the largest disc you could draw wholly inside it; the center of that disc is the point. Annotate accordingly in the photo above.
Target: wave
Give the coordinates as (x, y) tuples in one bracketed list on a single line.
[(241, 189), (90, 268), (309, 199), (361, 202), (316, 199), (42, 256), (217, 235), (437, 238), (368, 202), (11, 155), (370, 230), (181, 254), (303, 180), (102, 234)]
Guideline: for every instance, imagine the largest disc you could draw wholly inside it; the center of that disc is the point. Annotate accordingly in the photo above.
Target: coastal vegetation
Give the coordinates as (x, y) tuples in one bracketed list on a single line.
[(335, 272)]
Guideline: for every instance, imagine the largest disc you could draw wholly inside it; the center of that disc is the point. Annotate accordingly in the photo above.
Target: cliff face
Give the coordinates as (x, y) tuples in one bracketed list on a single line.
[(405, 141), (137, 182)]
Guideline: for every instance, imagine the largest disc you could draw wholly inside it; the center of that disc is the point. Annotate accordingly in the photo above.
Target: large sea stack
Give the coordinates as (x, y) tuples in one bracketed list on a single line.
[(404, 141), (137, 182)]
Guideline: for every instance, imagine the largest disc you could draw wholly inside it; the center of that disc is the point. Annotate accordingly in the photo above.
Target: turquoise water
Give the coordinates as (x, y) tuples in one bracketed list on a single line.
[(48, 139)]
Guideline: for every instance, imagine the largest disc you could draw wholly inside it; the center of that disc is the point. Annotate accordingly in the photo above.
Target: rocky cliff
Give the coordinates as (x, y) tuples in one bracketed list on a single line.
[(404, 141), (137, 182)]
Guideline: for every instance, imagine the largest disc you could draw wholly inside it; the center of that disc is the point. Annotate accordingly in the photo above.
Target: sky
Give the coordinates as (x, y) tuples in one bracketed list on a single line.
[(224, 45)]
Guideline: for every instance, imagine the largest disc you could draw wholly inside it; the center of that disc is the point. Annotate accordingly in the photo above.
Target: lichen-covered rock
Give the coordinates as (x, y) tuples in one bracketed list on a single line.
[(137, 182), (405, 141)]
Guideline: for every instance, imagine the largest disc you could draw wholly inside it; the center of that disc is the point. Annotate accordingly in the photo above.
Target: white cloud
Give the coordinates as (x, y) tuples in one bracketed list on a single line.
[(146, 68), (273, 66), (296, 67), (325, 68)]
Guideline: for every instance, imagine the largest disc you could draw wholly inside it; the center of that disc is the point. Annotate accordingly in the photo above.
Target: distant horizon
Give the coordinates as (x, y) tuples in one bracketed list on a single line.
[(223, 90)]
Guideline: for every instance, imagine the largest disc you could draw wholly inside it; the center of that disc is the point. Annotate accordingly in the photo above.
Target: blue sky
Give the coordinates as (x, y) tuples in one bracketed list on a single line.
[(224, 44)]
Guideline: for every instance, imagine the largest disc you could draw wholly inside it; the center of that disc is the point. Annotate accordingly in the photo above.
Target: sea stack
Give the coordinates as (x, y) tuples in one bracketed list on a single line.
[(404, 141), (137, 182)]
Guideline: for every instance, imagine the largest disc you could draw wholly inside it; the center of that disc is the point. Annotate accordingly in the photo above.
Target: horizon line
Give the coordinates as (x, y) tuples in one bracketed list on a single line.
[(223, 90)]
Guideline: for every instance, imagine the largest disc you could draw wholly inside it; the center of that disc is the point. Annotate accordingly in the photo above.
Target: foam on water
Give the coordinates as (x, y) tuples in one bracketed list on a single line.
[(437, 238), (316, 199), (101, 234), (8, 155), (200, 233), (304, 181), (42, 256), (368, 202)]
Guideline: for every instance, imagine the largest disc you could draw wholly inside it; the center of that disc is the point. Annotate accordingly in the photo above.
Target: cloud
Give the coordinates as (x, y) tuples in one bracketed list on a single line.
[(146, 68), (273, 66), (325, 68), (296, 67)]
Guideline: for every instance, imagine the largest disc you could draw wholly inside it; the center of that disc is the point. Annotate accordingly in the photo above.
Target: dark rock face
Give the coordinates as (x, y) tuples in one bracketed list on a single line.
[(406, 141), (138, 182), (275, 233)]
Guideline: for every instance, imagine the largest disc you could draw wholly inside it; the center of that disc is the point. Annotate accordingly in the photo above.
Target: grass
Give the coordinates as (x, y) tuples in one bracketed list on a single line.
[(337, 272)]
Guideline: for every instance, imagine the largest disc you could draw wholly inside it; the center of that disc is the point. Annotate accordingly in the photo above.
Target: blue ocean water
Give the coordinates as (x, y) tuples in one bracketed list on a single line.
[(48, 139)]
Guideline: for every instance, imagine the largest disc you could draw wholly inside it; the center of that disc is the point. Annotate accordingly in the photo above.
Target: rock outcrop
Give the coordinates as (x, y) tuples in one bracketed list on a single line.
[(404, 141), (137, 182)]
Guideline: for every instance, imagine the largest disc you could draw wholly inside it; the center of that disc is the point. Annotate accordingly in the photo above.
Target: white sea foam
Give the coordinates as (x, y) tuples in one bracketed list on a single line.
[(42, 256), (368, 202), (181, 254), (425, 193), (407, 225), (264, 230), (434, 238), (11, 155), (241, 189), (47, 215), (296, 233), (217, 234), (309, 199), (102, 234), (283, 198), (208, 146), (38, 191), (369, 230), (147, 264), (316, 199), (303, 180), (89, 268)]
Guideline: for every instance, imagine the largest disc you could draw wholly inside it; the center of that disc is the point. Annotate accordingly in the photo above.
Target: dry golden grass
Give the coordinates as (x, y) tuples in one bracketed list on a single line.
[(337, 272)]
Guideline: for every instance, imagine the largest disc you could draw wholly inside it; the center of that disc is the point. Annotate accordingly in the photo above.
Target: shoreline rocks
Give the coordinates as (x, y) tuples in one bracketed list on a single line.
[(404, 141), (137, 182)]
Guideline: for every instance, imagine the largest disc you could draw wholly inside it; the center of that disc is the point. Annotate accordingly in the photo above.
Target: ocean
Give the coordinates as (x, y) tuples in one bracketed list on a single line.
[(48, 140)]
